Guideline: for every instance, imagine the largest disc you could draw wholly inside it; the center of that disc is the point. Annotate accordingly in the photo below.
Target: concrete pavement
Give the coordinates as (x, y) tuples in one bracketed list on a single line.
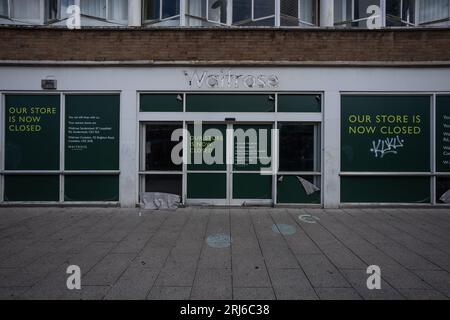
[(217, 253)]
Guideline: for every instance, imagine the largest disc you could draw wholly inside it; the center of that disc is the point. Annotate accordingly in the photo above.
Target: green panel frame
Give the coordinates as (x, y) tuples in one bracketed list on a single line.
[(31, 187), (252, 186), (26, 148), (404, 152), (230, 103), (442, 134), (299, 103), (159, 102), (91, 188), (290, 190), (385, 189), (100, 154), (207, 185)]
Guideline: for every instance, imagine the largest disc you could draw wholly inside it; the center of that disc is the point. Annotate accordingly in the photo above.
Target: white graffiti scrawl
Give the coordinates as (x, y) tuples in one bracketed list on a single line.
[(386, 146)]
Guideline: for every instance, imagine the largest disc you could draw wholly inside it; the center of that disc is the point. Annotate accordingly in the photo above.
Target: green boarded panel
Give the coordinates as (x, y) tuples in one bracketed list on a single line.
[(385, 189), (91, 188), (161, 103), (31, 188), (206, 185), (299, 103), (443, 133), (251, 155), (32, 125), (230, 103), (385, 133), (290, 190), (252, 186), (207, 138), (92, 132)]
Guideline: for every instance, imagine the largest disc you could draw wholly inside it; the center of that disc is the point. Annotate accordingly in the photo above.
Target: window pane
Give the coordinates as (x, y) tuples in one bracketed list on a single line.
[(26, 9), (91, 188), (342, 11), (242, 10), (196, 8), (308, 11), (206, 185), (161, 102), (443, 189), (252, 186), (32, 132), (264, 8), (230, 103), (299, 103), (297, 147), (165, 183), (118, 10), (158, 147), (170, 8), (64, 5), (360, 10), (31, 188), (385, 189), (94, 8), (399, 13), (297, 189), (3, 7), (51, 10), (433, 10), (409, 11), (217, 11), (289, 12), (151, 9), (92, 132)]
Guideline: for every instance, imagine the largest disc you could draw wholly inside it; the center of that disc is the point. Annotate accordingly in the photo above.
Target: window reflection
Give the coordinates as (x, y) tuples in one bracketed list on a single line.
[(158, 147), (298, 147)]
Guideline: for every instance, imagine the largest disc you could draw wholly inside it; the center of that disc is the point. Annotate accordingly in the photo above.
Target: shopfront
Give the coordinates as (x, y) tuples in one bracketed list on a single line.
[(234, 143), (318, 136)]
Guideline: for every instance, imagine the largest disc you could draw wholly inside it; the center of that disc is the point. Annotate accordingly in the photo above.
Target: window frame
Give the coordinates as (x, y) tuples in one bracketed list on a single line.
[(418, 8), (301, 23), (160, 18), (8, 10), (39, 21), (252, 18)]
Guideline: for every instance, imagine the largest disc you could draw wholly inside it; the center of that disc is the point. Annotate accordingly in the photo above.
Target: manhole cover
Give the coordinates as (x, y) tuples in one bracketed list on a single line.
[(284, 229), (308, 218), (219, 241)]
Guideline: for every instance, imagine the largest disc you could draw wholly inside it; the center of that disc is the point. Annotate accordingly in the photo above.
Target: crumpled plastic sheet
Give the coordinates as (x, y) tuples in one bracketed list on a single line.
[(160, 201)]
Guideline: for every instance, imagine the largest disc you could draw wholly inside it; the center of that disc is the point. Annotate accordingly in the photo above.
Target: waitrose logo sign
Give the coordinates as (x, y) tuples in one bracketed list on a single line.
[(230, 80)]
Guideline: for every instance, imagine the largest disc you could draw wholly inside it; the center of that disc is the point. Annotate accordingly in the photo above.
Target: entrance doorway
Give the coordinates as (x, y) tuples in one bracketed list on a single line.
[(230, 163)]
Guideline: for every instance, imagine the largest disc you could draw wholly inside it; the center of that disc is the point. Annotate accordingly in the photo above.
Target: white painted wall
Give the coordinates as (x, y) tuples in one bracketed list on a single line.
[(130, 80)]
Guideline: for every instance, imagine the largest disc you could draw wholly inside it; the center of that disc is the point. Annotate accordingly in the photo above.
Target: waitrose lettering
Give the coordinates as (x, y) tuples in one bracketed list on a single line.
[(230, 80)]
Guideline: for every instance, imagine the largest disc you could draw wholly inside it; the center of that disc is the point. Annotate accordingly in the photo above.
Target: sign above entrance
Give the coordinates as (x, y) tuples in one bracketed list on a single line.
[(204, 79)]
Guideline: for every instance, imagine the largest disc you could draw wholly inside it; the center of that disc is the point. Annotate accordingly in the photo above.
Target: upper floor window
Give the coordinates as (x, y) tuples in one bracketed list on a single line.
[(254, 12), (206, 12), (4, 10), (431, 11), (161, 12), (353, 12), (298, 12), (400, 12), (111, 10)]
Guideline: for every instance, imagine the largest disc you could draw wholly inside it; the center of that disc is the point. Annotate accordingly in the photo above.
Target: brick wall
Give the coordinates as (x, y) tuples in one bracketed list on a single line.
[(225, 45)]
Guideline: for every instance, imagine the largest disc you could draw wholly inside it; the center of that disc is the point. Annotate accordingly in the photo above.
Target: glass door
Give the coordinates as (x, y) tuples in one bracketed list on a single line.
[(250, 173), (207, 177)]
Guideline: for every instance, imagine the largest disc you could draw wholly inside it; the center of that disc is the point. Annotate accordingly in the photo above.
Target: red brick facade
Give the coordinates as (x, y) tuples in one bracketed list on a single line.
[(418, 46)]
